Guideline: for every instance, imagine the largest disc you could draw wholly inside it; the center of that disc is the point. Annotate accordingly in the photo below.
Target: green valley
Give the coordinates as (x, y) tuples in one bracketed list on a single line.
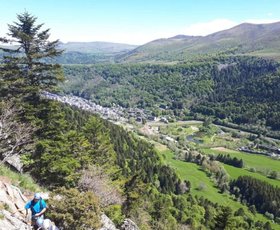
[(179, 133), (202, 183)]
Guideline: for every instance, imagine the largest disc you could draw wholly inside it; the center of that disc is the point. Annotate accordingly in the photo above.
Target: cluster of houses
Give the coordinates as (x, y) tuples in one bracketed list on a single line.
[(115, 113)]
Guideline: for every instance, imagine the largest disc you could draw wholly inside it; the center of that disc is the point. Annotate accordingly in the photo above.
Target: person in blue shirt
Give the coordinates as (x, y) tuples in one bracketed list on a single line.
[(37, 206)]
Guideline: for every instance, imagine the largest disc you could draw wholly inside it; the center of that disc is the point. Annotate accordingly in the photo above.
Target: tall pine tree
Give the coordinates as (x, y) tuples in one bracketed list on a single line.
[(25, 71)]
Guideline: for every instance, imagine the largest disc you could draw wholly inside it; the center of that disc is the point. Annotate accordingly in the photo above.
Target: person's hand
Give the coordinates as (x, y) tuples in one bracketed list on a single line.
[(37, 214)]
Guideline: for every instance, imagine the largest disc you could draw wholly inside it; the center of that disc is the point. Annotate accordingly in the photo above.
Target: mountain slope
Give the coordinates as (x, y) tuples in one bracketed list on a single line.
[(96, 47), (253, 39), (91, 52)]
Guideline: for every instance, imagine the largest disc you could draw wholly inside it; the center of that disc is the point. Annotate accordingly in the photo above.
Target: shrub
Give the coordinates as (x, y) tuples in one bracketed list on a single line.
[(71, 209), (96, 180), (273, 175), (114, 212)]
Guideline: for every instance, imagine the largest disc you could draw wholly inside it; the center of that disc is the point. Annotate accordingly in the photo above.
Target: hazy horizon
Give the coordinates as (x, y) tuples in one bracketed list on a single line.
[(137, 22)]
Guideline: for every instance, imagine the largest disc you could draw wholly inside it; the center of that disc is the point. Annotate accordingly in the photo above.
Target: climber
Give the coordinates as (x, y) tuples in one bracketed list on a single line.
[(38, 207), (46, 224)]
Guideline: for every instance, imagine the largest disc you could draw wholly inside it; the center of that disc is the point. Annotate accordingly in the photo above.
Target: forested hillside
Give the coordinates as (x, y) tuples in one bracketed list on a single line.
[(241, 90), (245, 92), (80, 151)]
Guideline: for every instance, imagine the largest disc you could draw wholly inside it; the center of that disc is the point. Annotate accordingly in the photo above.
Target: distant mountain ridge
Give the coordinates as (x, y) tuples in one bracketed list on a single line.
[(96, 47), (262, 40), (246, 38), (92, 52)]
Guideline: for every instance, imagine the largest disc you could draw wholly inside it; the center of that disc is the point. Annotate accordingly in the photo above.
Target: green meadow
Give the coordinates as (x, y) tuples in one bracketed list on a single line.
[(201, 184), (236, 172), (262, 165), (259, 162)]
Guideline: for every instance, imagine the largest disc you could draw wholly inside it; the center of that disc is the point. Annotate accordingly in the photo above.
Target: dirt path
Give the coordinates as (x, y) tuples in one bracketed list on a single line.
[(222, 149)]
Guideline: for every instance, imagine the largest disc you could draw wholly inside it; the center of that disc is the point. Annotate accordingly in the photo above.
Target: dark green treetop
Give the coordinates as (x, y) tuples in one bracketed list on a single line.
[(24, 70)]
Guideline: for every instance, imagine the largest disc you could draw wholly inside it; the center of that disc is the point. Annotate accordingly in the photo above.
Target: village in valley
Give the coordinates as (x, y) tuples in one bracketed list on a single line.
[(123, 116)]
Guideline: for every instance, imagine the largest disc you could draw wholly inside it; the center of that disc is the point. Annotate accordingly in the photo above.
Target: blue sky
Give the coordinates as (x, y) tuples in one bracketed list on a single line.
[(137, 21)]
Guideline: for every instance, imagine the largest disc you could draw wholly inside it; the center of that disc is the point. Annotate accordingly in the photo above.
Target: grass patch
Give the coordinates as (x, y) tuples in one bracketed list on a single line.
[(177, 129), (23, 181), (259, 162), (196, 176), (236, 172)]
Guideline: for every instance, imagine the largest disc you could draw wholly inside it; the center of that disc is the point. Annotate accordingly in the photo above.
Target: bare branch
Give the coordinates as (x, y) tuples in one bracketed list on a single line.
[(97, 181), (15, 136)]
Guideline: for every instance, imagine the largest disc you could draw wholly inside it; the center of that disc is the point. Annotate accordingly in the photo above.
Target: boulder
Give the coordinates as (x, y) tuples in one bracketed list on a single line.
[(128, 224), (107, 223), (11, 199)]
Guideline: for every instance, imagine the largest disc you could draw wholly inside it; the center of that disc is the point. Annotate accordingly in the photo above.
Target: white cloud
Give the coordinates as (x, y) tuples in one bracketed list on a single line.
[(205, 28), (262, 21), (269, 14)]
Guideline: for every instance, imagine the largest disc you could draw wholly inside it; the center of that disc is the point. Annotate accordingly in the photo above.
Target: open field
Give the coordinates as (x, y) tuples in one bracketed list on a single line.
[(197, 177), (259, 162), (201, 184), (236, 172)]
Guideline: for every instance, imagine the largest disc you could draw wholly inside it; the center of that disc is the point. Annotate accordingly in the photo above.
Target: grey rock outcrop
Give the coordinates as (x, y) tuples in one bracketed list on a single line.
[(107, 223), (11, 199), (15, 162), (128, 224), (10, 222)]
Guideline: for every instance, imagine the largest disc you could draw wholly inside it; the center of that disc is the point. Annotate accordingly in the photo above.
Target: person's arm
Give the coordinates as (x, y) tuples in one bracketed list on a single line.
[(42, 212), (44, 206), (27, 206)]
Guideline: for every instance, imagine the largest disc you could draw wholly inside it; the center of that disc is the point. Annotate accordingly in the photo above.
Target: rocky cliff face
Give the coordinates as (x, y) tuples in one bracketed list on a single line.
[(12, 200)]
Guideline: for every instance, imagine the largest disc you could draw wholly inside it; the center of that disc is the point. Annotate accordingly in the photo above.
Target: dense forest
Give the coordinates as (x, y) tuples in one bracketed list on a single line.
[(240, 90), (264, 197), (142, 85), (227, 159), (245, 93)]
